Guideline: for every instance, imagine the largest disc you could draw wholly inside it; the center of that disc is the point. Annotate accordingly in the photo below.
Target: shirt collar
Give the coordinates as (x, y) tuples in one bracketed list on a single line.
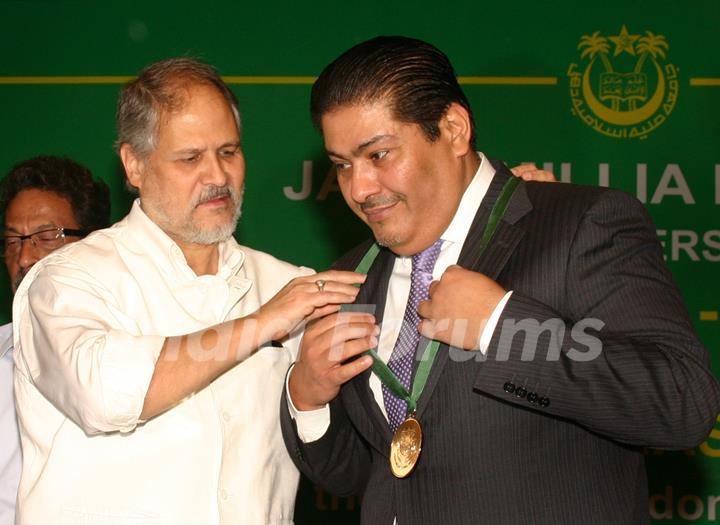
[(459, 227)]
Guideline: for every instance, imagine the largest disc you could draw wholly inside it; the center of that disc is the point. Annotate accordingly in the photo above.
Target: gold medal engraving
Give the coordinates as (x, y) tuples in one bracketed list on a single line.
[(405, 447)]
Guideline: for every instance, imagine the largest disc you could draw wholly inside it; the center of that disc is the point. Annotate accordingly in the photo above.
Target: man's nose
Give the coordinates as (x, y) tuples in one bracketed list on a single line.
[(29, 254), (364, 183), (214, 172)]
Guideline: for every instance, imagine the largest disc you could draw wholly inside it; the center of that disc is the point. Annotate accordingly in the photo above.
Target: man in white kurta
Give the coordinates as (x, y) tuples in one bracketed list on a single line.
[(91, 327), (148, 373)]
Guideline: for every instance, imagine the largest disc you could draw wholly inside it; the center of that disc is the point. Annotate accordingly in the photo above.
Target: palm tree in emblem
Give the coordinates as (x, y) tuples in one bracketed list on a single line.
[(596, 44), (652, 45)]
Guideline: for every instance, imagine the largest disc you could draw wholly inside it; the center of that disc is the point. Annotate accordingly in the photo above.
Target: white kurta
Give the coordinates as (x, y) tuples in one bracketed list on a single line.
[(89, 322)]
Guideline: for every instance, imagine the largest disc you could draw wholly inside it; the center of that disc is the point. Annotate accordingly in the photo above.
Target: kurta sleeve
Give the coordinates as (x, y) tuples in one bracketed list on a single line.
[(82, 352)]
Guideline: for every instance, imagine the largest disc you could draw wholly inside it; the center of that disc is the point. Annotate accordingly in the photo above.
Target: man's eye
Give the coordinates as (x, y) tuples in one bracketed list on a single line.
[(50, 236), (12, 241), (228, 152), (341, 166), (378, 155), (191, 159)]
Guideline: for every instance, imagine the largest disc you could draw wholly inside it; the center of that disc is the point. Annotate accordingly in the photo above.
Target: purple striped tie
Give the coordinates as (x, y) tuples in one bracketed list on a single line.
[(401, 359)]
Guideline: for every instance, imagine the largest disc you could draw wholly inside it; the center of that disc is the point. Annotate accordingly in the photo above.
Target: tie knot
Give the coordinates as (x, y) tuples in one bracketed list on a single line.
[(425, 260)]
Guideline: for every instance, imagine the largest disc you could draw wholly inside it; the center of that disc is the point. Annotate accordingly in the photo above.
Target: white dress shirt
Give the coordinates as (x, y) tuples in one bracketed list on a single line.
[(89, 321), (312, 424), (10, 456)]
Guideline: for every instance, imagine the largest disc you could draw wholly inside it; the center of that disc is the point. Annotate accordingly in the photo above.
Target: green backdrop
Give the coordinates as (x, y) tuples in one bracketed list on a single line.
[(625, 94)]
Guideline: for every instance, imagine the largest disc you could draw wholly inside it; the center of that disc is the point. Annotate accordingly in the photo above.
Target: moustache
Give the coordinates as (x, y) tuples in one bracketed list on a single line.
[(215, 192), (379, 201)]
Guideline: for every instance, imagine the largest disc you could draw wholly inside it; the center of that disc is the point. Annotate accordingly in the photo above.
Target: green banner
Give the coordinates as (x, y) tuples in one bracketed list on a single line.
[(621, 94)]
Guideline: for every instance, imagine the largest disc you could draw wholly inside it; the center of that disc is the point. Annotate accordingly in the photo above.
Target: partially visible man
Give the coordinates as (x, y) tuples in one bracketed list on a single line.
[(150, 359), (562, 346), (46, 202)]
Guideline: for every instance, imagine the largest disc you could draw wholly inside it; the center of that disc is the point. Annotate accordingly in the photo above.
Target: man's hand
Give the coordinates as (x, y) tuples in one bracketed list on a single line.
[(323, 366), (303, 300), (459, 306), (529, 172)]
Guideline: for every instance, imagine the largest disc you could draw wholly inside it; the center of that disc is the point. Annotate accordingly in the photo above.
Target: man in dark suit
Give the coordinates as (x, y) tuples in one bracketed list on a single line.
[(564, 344)]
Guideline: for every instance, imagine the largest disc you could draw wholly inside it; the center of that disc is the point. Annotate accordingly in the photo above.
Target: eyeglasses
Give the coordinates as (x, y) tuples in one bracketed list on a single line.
[(47, 240)]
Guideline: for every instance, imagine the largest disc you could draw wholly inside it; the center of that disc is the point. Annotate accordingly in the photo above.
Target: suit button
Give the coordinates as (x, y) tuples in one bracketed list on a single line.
[(532, 397), (544, 402), (521, 392), (509, 387)]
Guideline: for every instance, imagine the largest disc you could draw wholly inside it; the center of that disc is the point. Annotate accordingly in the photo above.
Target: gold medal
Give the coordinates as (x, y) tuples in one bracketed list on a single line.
[(405, 447)]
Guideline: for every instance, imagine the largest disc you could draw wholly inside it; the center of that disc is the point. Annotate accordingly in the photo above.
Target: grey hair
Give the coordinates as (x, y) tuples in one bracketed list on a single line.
[(162, 87)]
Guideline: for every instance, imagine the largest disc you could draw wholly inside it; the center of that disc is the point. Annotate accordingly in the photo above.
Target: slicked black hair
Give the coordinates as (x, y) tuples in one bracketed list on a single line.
[(88, 198), (413, 77)]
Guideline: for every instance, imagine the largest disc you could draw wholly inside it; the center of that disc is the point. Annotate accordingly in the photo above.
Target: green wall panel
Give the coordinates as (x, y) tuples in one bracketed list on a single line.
[(518, 123)]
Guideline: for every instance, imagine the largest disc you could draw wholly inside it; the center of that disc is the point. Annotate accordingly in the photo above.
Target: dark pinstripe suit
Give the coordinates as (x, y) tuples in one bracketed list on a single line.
[(536, 441)]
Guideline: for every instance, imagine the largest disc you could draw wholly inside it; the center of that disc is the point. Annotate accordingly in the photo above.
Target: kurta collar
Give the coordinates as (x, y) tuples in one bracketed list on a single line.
[(153, 241)]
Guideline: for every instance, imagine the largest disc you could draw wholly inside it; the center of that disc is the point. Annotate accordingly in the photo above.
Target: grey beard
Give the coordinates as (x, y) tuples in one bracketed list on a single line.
[(223, 232), (215, 235), (188, 232)]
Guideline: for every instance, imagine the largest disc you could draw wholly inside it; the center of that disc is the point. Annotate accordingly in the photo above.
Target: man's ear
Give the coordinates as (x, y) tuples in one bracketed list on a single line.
[(456, 123), (133, 164)]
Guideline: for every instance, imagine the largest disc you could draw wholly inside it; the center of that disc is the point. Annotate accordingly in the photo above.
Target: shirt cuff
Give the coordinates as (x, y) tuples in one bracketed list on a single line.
[(126, 379), (311, 424), (489, 329)]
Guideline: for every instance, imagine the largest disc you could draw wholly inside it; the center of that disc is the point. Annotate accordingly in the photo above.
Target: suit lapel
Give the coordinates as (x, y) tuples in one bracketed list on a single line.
[(373, 293), (491, 262), (507, 235)]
